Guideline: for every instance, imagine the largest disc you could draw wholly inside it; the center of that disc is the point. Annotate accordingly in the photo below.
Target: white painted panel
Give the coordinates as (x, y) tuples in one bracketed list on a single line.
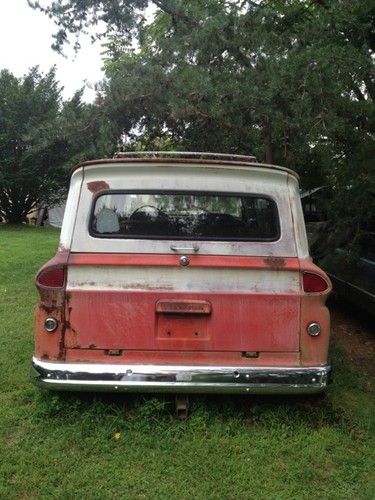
[(71, 209), (298, 218), (228, 179), (118, 278)]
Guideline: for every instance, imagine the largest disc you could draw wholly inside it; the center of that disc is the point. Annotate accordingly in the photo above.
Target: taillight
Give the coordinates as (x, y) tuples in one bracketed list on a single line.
[(53, 277), (314, 283)]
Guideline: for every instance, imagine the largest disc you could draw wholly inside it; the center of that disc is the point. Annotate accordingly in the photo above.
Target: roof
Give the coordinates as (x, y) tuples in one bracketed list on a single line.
[(175, 157)]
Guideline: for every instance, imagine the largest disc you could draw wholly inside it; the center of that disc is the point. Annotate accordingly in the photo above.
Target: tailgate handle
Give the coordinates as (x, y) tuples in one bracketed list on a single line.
[(194, 248), (183, 307)]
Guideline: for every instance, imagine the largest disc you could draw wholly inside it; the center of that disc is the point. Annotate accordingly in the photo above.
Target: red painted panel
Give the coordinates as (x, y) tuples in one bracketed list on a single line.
[(272, 324), (52, 304), (314, 350), (128, 320), (213, 358), (162, 260)]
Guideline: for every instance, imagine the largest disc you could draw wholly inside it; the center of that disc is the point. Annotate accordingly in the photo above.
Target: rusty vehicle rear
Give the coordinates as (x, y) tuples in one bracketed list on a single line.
[(182, 273)]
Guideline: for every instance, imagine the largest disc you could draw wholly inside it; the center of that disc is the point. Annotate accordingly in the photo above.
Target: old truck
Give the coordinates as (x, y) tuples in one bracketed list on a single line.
[(183, 273)]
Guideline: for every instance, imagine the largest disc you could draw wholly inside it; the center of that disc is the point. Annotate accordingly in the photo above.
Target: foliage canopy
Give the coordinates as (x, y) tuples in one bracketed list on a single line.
[(292, 82), (40, 136)]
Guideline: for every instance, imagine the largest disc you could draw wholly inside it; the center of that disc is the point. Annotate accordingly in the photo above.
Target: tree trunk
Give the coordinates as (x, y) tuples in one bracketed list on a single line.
[(268, 141)]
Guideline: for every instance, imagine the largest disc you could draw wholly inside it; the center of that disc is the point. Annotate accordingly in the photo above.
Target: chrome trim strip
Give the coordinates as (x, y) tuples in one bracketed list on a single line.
[(200, 155), (171, 378)]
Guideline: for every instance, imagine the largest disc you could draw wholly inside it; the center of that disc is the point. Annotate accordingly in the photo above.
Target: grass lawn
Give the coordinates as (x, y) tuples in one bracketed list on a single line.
[(64, 446)]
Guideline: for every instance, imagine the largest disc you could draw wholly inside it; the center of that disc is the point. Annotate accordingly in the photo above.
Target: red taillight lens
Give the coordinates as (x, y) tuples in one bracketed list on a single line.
[(52, 278), (314, 283)]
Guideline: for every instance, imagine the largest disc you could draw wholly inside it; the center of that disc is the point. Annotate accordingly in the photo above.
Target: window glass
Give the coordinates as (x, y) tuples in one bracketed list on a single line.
[(184, 216)]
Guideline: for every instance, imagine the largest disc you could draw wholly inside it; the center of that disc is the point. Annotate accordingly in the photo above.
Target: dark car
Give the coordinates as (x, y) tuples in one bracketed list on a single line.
[(353, 272)]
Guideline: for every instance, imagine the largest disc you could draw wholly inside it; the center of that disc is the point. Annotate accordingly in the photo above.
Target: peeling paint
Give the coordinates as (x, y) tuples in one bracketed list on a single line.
[(86, 285), (115, 278)]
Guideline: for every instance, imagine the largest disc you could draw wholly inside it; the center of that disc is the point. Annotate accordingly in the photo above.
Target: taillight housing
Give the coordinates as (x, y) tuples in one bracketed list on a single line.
[(313, 283), (51, 277)]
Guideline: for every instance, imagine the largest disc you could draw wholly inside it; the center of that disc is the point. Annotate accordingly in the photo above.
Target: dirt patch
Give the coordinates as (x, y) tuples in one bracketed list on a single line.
[(353, 331)]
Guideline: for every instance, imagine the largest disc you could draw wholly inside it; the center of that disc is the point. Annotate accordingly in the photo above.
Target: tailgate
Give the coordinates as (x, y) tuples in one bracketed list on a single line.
[(151, 302)]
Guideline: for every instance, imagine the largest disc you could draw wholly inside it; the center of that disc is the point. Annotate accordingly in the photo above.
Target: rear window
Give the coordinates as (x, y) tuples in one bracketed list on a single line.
[(192, 216)]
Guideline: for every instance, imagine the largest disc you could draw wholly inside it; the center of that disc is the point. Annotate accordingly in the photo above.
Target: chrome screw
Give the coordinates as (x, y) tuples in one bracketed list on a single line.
[(184, 260)]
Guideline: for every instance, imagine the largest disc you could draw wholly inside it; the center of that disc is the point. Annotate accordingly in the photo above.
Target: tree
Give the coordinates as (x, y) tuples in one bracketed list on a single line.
[(292, 82), (40, 137)]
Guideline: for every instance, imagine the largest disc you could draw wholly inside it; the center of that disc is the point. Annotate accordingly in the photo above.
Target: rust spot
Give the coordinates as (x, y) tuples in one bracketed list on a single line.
[(68, 325), (92, 346), (67, 302), (49, 309), (96, 186), (113, 352), (275, 262)]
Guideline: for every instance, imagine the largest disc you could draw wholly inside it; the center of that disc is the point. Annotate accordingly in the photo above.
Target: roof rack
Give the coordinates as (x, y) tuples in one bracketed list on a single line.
[(186, 155)]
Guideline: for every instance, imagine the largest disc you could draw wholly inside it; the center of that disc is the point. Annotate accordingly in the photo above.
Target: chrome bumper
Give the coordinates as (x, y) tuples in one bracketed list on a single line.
[(179, 379)]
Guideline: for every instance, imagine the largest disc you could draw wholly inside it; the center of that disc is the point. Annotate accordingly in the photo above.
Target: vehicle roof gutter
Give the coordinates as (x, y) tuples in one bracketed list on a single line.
[(184, 161)]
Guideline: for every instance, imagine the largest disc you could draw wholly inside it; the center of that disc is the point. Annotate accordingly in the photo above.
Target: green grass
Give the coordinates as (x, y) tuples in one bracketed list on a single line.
[(63, 445)]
